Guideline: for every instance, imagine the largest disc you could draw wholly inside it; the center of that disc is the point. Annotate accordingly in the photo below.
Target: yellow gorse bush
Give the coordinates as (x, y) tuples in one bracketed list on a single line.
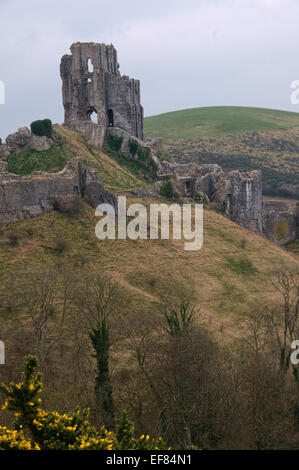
[(38, 429)]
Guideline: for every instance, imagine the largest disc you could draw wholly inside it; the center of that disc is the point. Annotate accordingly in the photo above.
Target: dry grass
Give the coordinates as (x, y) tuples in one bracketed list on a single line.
[(226, 278)]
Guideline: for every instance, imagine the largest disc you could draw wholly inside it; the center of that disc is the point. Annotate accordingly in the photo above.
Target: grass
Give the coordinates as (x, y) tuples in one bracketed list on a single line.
[(223, 278), (229, 275), (117, 173), (29, 160), (236, 139), (217, 122)]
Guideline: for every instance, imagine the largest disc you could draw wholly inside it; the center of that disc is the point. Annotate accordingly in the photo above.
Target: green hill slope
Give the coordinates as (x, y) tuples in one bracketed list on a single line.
[(237, 139), (117, 173), (217, 122)]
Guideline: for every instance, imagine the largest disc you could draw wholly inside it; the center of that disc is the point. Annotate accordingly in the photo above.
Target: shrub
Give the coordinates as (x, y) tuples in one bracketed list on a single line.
[(198, 196), (133, 147), (163, 156), (38, 429), (42, 128), (281, 229), (143, 153), (13, 239), (243, 243), (167, 190), (61, 245), (115, 142)]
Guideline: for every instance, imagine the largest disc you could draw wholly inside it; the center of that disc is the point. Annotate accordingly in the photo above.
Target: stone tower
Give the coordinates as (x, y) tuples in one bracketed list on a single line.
[(92, 87)]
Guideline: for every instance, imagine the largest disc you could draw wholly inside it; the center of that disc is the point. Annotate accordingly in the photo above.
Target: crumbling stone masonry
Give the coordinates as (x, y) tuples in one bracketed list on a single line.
[(239, 194), (92, 86), (23, 197), (280, 221)]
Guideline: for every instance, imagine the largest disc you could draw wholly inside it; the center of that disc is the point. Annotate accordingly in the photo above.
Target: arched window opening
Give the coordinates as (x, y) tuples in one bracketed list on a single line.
[(110, 118), (90, 66), (92, 115)]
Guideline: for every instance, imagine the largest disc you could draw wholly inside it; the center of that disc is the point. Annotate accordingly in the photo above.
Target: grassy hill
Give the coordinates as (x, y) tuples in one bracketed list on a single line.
[(218, 121), (226, 277), (116, 172), (235, 138)]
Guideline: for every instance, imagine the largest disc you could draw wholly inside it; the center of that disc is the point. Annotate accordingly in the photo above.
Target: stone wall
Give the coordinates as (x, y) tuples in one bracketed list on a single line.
[(24, 139), (100, 89), (239, 194), (23, 197), (280, 221)]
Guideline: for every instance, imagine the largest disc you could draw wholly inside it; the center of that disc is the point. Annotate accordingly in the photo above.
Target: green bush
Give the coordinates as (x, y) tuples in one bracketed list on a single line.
[(143, 153), (163, 156), (198, 196), (133, 147), (115, 142), (42, 128), (167, 190)]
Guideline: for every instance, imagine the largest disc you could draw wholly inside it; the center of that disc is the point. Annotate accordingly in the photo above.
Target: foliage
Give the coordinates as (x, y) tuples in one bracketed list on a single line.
[(167, 190), (179, 318), (115, 142), (241, 265), (42, 128), (29, 160), (143, 153), (133, 147), (37, 429), (163, 156), (198, 196), (101, 343), (281, 229)]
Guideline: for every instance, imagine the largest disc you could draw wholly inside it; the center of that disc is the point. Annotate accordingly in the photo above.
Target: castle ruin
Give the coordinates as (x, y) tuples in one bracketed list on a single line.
[(92, 87)]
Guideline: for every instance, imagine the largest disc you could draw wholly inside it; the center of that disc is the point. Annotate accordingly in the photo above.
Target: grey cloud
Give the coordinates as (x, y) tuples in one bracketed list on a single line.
[(187, 54)]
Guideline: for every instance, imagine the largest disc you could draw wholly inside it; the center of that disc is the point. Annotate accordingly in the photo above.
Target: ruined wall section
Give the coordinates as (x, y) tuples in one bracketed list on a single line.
[(280, 221), (242, 198), (239, 194), (101, 90), (23, 197)]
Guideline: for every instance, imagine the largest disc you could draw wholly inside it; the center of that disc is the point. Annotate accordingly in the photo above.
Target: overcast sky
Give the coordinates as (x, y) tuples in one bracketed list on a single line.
[(187, 53)]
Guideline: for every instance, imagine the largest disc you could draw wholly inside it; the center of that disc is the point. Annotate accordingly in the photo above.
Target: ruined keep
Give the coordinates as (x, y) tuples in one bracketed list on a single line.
[(92, 86)]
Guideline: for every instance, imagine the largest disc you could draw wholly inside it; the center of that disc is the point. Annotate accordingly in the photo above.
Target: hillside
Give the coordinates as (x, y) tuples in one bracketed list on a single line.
[(218, 121), (227, 277), (117, 173), (235, 138), (54, 255), (222, 276)]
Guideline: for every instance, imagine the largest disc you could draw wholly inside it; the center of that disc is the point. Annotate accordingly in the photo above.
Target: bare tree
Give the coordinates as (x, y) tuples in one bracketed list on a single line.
[(285, 317), (44, 296)]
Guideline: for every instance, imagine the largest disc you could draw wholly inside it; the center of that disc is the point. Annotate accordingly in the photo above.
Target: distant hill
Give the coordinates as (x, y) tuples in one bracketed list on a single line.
[(235, 138), (218, 121)]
